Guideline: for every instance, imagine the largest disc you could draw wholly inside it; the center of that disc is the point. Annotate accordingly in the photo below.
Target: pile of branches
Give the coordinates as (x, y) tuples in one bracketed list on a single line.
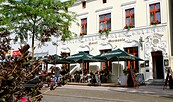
[(16, 72)]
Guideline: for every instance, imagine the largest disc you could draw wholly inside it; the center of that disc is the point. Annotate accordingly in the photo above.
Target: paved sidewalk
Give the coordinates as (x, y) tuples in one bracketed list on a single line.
[(144, 89)]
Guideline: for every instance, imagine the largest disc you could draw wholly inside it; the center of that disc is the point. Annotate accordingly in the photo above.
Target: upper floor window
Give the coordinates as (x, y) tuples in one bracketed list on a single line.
[(105, 22), (83, 26), (155, 16), (104, 1), (130, 17), (83, 4)]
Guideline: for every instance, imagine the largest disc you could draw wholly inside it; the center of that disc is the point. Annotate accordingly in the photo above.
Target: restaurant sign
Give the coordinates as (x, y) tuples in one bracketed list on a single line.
[(16, 53)]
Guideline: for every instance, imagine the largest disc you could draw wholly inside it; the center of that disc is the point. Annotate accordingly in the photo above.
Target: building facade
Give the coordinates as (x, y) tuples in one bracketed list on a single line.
[(139, 27)]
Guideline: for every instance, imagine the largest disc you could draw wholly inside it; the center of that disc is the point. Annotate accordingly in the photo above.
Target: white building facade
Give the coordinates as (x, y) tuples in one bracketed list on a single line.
[(139, 27)]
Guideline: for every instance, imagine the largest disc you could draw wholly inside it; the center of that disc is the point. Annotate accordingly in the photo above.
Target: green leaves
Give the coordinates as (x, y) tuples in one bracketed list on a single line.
[(38, 17)]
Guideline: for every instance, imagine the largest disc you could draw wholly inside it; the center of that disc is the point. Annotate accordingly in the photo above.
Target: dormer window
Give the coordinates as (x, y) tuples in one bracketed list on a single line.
[(83, 4), (104, 1)]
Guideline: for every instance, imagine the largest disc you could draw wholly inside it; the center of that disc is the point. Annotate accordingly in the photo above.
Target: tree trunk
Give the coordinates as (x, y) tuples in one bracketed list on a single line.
[(33, 34)]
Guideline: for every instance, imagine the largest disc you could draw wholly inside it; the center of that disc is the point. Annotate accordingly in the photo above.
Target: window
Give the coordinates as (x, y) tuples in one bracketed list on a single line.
[(104, 1), (132, 64), (83, 26), (105, 22), (85, 65), (83, 4), (108, 64), (155, 16), (130, 17)]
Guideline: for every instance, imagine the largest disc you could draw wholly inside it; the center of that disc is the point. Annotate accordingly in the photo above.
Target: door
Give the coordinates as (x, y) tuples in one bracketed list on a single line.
[(157, 59)]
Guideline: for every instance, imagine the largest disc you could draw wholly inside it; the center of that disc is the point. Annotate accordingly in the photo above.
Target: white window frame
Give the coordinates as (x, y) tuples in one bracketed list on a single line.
[(83, 16), (148, 2), (124, 8), (102, 12)]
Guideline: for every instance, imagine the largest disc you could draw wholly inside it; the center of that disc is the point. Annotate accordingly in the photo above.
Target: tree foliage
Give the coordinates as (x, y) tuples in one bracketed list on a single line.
[(37, 19)]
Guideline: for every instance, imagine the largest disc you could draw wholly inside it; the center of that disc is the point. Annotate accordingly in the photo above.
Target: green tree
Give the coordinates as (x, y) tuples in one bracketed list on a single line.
[(37, 19)]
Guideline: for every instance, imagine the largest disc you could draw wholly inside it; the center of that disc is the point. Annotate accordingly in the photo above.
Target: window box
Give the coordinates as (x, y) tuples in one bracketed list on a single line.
[(106, 32), (82, 34), (128, 27), (155, 22)]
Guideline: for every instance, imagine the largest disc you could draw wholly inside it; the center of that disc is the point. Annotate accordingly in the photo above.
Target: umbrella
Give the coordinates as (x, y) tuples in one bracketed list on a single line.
[(117, 55), (55, 59), (136, 58), (83, 57)]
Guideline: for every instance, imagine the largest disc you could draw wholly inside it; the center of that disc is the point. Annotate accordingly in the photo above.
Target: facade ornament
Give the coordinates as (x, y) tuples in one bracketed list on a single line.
[(154, 42), (118, 33), (65, 50), (130, 43)]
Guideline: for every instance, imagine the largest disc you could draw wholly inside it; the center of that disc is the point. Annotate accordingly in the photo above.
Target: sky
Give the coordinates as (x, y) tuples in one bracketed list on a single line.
[(64, 0)]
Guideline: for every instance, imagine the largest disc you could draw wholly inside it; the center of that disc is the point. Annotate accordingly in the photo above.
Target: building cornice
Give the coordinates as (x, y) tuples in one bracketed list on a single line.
[(78, 2), (128, 3), (81, 14), (102, 9)]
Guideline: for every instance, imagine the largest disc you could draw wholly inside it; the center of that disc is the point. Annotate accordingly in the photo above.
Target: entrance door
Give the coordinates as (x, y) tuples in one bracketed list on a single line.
[(157, 59)]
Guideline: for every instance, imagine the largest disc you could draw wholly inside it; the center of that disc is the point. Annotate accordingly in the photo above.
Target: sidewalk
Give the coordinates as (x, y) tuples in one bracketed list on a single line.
[(86, 84), (143, 89)]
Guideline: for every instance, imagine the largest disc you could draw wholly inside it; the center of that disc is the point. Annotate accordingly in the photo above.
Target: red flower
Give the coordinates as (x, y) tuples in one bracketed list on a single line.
[(125, 27), (157, 21)]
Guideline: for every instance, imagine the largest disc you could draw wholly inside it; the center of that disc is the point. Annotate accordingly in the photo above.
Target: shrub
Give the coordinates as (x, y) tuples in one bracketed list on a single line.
[(15, 72)]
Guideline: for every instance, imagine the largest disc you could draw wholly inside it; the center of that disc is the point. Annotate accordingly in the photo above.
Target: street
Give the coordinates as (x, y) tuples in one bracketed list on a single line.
[(75, 93)]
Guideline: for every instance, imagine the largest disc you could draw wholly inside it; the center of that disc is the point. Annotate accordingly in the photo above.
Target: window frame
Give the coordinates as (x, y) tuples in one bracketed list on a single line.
[(155, 10), (105, 21), (124, 7), (132, 24), (109, 63), (84, 24)]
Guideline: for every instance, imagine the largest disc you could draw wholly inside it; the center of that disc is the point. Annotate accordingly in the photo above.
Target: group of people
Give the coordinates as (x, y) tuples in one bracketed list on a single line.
[(95, 78), (56, 77), (91, 77)]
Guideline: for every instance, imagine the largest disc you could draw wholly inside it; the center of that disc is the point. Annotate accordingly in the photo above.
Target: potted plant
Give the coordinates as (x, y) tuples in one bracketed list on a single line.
[(126, 71)]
